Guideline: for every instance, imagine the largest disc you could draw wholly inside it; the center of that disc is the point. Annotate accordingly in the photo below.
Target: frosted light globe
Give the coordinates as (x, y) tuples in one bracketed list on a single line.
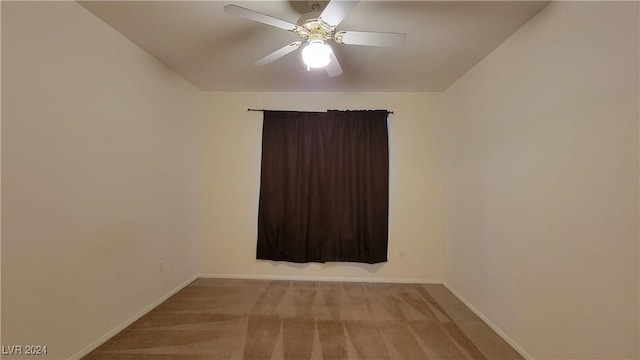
[(316, 54)]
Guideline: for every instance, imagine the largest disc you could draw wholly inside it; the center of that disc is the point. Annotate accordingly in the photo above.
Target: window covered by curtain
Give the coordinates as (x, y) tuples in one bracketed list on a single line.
[(324, 187)]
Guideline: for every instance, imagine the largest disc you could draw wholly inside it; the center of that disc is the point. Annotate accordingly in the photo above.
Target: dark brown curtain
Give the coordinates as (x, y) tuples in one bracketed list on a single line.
[(324, 187)]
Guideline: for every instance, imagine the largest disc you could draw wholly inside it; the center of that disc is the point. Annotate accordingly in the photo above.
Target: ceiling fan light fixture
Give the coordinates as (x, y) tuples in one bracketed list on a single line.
[(314, 30), (316, 54)]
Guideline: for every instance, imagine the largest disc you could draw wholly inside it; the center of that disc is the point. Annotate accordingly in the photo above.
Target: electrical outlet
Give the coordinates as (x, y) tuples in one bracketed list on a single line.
[(161, 266), (402, 254)]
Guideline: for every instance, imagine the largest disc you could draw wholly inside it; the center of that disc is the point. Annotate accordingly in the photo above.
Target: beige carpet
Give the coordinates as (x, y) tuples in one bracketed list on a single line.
[(253, 319)]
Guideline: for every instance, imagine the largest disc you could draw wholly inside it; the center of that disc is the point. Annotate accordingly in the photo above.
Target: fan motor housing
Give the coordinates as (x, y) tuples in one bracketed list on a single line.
[(312, 23)]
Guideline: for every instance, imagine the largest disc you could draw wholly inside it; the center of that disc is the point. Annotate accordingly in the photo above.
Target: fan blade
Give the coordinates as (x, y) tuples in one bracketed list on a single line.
[(259, 17), (336, 11), (278, 53), (333, 69), (370, 38)]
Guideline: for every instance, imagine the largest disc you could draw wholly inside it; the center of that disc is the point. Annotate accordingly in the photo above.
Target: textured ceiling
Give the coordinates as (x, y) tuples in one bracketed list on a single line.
[(215, 50)]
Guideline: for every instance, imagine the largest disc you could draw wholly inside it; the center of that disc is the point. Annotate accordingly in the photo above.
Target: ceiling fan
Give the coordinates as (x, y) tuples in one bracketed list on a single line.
[(315, 29)]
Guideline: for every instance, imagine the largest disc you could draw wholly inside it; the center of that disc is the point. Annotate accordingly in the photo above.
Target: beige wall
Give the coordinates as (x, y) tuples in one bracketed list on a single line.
[(231, 182), (541, 170), (100, 178)]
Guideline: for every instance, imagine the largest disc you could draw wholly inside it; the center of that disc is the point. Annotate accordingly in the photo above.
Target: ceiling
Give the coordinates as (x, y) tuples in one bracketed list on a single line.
[(216, 51)]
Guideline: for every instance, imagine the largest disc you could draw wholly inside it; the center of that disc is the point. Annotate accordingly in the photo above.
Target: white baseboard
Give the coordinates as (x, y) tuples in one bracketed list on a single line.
[(322, 278), (493, 326), (131, 320)]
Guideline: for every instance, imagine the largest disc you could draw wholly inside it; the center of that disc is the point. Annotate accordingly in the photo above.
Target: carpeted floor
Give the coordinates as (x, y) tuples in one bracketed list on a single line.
[(254, 319)]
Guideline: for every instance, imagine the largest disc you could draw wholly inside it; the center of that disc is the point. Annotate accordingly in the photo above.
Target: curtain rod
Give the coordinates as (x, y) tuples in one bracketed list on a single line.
[(389, 112)]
